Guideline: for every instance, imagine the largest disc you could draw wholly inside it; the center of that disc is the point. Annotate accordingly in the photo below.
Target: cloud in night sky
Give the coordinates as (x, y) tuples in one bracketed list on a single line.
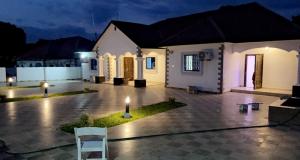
[(61, 18)]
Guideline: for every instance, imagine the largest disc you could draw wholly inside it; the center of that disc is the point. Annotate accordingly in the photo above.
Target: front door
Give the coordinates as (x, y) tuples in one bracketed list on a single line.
[(253, 71), (128, 68), (258, 71)]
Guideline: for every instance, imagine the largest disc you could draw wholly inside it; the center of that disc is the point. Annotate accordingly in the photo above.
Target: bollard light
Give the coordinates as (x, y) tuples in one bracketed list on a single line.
[(46, 85), (10, 80), (127, 102)]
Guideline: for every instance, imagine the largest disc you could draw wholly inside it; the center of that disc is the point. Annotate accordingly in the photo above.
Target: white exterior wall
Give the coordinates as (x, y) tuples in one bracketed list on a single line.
[(52, 73), (115, 42), (233, 69), (159, 73), (54, 62), (279, 67), (63, 73), (208, 79), (279, 63), (2, 74), (30, 73)]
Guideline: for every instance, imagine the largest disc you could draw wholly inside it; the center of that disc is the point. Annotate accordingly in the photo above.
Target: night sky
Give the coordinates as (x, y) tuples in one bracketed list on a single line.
[(61, 18)]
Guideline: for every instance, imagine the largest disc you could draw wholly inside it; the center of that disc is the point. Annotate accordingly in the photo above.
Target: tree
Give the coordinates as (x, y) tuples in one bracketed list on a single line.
[(12, 43), (296, 19)]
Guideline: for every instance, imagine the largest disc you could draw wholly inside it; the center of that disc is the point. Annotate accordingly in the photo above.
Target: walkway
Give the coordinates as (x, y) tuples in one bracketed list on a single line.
[(33, 125)]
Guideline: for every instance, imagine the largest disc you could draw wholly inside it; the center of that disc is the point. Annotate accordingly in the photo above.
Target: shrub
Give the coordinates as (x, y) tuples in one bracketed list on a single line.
[(2, 98), (86, 89), (82, 122), (172, 100)]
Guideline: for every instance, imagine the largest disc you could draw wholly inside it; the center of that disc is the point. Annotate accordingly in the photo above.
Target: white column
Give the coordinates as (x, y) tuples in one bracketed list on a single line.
[(101, 66), (140, 74), (298, 75), (118, 67)]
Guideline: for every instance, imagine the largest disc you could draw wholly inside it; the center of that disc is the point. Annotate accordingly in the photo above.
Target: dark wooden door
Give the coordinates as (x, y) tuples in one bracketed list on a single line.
[(128, 68), (258, 71)]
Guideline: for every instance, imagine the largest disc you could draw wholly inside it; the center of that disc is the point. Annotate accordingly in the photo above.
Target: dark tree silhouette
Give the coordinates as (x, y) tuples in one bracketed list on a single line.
[(12, 43), (296, 20)]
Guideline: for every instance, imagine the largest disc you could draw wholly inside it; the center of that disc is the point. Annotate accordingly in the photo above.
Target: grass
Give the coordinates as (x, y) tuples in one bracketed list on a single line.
[(117, 119), (20, 87), (17, 87), (4, 100)]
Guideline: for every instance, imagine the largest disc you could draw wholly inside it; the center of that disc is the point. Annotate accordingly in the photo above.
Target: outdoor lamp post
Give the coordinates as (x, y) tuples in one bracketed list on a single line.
[(46, 85), (10, 80), (127, 114)]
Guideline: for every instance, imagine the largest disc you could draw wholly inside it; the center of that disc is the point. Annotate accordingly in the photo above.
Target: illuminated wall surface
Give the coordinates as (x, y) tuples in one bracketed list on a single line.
[(279, 64), (206, 78), (52, 73), (250, 71), (2, 75)]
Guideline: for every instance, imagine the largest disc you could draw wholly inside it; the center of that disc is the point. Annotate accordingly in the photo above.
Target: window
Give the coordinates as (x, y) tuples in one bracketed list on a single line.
[(150, 62), (93, 64), (191, 62)]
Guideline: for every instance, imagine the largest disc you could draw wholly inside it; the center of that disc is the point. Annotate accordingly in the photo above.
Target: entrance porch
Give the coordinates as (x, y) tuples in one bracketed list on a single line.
[(269, 68), (146, 66), (262, 91)]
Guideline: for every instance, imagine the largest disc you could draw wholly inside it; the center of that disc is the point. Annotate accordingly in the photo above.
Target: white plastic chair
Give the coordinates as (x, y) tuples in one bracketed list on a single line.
[(99, 145)]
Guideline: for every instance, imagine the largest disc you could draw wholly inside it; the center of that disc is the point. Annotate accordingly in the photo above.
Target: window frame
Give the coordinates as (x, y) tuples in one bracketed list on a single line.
[(197, 62), (93, 64), (153, 67)]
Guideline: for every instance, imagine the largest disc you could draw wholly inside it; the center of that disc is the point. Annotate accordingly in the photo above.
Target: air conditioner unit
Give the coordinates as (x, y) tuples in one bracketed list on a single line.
[(209, 54), (201, 56)]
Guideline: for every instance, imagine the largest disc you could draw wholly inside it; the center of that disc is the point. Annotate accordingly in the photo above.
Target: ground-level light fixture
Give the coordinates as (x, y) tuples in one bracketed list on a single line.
[(10, 81), (46, 85), (127, 114)]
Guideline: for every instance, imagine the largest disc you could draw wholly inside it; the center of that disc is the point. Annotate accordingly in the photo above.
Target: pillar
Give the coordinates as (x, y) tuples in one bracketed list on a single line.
[(298, 75), (140, 81), (140, 74), (118, 80), (117, 67), (101, 70)]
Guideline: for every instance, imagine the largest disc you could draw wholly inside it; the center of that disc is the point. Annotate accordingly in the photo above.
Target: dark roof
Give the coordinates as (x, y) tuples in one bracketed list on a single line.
[(142, 35), (242, 23), (63, 48)]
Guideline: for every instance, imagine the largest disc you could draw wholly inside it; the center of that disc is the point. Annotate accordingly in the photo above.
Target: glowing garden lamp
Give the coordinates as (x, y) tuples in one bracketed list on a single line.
[(127, 114), (46, 85), (10, 80)]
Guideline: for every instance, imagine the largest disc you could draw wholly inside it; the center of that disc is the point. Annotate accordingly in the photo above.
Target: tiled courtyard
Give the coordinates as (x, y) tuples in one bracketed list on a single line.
[(33, 125)]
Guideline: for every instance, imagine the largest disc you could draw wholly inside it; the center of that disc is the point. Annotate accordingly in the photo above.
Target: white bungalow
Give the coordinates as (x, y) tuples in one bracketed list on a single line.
[(217, 50)]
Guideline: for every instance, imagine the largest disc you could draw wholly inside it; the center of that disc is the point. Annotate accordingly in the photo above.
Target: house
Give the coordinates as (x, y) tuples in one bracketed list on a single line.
[(215, 50), (55, 53)]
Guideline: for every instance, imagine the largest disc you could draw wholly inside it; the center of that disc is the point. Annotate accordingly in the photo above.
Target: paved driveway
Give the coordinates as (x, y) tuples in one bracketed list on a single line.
[(32, 125)]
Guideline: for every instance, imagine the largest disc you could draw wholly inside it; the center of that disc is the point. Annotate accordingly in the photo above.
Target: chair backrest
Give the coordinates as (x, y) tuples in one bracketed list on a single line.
[(90, 131)]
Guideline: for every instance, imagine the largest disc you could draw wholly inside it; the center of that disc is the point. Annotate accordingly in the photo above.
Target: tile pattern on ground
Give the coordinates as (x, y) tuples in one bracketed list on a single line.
[(247, 144), (34, 125)]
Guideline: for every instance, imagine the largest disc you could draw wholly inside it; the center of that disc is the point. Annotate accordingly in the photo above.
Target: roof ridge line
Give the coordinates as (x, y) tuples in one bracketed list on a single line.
[(215, 25), (174, 35)]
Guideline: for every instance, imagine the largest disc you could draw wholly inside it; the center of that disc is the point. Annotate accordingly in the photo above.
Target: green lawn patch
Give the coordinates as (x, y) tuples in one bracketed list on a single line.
[(3, 100), (20, 87), (117, 118)]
